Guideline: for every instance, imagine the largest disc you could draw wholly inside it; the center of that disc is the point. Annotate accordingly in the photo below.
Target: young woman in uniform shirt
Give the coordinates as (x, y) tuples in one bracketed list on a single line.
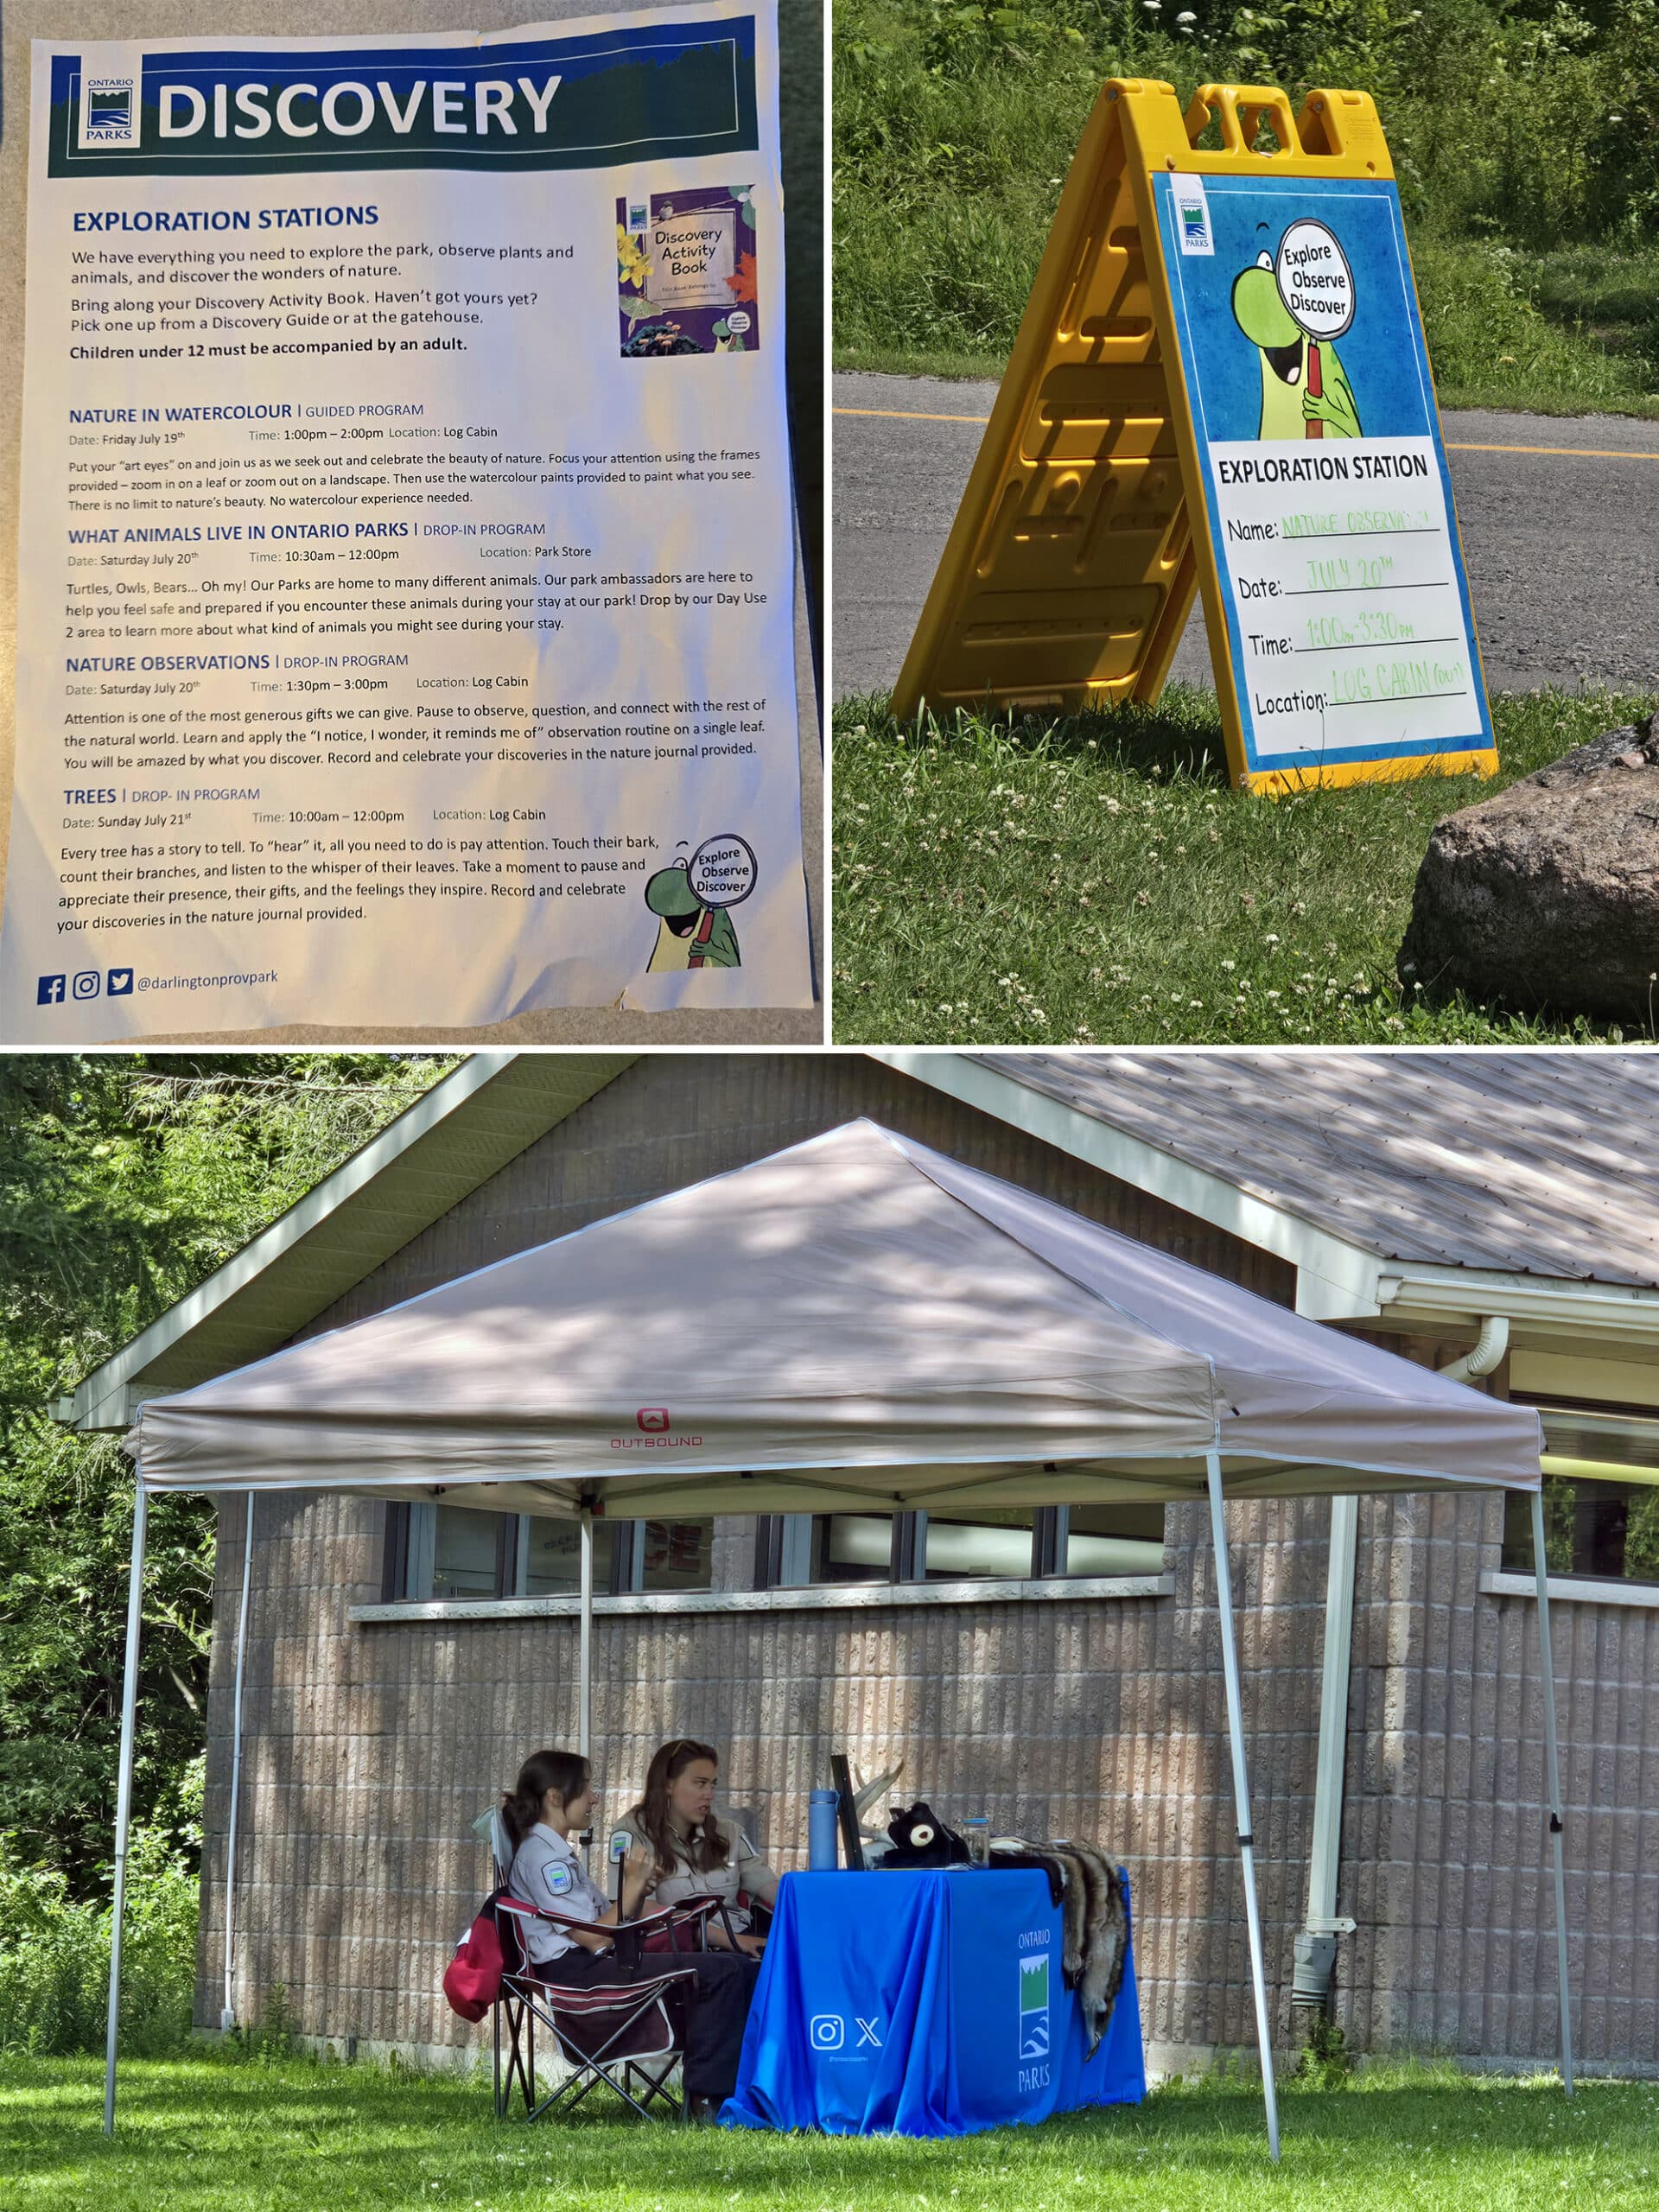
[(552, 1799), (693, 1852)]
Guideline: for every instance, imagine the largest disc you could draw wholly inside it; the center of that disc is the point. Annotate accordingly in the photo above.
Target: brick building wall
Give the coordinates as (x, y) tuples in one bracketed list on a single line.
[(369, 1749)]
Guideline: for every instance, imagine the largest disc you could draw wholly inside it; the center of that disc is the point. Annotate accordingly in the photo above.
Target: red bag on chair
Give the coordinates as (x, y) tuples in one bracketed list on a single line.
[(472, 1980)]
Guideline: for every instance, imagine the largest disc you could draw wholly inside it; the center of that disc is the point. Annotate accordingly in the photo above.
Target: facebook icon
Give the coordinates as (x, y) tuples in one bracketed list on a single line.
[(49, 991)]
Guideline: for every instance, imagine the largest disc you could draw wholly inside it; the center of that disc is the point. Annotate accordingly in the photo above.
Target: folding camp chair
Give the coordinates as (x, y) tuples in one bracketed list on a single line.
[(605, 2032), (621, 2032)]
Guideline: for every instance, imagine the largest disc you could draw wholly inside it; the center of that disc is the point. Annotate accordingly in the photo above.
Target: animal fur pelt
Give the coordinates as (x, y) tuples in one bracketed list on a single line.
[(1006, 1852), (1096, 1922)]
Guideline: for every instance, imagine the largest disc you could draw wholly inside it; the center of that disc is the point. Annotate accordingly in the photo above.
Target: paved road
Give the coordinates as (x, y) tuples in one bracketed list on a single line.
[(1562, 546)]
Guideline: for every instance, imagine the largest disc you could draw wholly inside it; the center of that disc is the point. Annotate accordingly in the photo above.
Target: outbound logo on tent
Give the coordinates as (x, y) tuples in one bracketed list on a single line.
[(1034, 2007), (654, 1424)]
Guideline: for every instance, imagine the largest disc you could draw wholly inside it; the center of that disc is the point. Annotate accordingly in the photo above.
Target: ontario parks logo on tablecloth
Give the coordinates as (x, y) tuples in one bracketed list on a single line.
[(1034, 2007)]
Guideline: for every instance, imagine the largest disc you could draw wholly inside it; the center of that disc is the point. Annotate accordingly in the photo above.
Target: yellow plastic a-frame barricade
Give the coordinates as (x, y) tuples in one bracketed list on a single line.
[(1177, 415)]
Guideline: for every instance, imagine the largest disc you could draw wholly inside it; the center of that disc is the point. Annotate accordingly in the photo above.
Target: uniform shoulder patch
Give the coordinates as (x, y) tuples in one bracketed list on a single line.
[(556, 1879)]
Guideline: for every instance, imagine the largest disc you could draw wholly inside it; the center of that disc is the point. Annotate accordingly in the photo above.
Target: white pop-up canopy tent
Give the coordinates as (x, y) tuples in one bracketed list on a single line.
[(856, 1322)]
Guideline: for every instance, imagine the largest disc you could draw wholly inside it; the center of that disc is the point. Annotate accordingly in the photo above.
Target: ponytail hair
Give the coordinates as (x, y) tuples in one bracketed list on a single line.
[(565, 1773)]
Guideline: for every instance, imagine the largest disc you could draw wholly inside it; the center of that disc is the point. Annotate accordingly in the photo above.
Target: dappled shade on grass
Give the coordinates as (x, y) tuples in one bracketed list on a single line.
[(296, 2136)]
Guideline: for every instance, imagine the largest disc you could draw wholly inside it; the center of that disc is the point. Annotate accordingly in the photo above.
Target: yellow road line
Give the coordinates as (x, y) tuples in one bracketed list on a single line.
[(1584, 453), (1452, 445), (904, 415)]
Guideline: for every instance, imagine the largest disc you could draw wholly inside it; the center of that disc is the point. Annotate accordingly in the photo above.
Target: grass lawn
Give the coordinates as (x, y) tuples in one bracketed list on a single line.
[(1098, 881), (270, 2136)]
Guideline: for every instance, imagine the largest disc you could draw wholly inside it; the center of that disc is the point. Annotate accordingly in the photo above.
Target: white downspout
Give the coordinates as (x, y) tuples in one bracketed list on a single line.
[(1490, 1347), (227, 2011), (1316, 1946)]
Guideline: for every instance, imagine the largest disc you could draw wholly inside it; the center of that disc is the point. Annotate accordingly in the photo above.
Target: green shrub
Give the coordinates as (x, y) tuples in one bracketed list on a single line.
[(1531, 126), (1325, 2062), (270, 2039), (1492, 344), (54, 1950)]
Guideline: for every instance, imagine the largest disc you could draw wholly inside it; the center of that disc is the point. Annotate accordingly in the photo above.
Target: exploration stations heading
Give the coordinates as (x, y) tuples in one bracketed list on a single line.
[(225, 218)]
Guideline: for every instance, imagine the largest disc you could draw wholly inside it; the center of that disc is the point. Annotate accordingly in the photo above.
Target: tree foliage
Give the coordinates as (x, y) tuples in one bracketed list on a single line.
[(1539, 118), (1519, 129), (125, 1180)]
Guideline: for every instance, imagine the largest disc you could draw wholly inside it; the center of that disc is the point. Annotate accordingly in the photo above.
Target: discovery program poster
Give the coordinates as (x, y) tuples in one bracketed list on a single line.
[(398, 644)]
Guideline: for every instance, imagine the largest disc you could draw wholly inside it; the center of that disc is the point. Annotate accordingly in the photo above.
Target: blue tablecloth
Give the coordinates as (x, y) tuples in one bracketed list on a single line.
[(923, 2005)]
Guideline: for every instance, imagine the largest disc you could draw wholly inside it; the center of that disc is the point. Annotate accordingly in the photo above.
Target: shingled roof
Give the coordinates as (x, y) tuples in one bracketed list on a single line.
[(1531, 1163)]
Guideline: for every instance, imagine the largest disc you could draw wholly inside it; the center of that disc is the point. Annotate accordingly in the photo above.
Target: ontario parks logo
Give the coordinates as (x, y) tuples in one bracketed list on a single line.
[(1034, 2007), (1192, 215), (109, 111)]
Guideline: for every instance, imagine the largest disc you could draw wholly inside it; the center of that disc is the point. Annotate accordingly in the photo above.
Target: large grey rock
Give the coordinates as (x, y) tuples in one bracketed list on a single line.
[(1547, 897)]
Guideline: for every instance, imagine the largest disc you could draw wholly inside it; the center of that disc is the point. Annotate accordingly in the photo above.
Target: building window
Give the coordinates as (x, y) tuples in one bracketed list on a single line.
[(466, 1548), (1111, 1539), (668, 1555), (997, 1547), (550, 1556), (852, 1547), (438, 1551), (1606, 1529), (792, 1549)]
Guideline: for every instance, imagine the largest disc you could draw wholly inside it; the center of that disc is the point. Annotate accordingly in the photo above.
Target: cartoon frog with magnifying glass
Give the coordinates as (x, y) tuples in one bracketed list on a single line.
[(689, 933), (1303, 381)]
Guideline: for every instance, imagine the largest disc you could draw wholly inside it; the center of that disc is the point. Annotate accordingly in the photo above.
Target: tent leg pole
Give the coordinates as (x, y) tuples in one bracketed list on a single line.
[(227, 2012), (124, 1793), (1242, 1797), (1553, 1767), (585, 1698)]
